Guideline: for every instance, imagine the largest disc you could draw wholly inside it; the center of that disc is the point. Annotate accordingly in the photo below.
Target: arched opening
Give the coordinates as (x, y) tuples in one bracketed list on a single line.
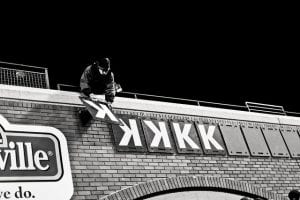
[(192, 188), (202, 193), (198, 195)]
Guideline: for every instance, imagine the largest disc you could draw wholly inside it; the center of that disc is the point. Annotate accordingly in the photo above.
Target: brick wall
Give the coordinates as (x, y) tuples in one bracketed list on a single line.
[(99, 170)]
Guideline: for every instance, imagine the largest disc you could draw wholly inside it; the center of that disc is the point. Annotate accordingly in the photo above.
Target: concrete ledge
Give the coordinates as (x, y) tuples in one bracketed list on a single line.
[(72, 98), (40, 95)]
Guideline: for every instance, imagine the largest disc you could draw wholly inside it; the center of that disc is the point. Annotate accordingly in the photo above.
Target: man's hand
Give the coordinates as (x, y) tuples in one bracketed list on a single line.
[(109, 98), (110, 94), (93, 97), (109, 105)]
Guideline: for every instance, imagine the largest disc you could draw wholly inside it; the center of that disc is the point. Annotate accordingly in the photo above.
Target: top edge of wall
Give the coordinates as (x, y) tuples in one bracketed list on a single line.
[(59, 97)]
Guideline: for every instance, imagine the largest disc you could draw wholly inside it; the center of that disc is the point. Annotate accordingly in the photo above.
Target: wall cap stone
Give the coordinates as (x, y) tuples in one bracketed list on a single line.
[(57, 97)]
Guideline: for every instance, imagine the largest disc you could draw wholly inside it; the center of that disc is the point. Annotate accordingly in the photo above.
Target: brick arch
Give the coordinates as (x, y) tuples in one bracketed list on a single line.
[(184, 183)]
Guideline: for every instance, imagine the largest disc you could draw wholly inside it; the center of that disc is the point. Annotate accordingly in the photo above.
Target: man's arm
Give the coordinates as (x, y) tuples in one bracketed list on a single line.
[(110, 91), (111, 78), (85, 88)]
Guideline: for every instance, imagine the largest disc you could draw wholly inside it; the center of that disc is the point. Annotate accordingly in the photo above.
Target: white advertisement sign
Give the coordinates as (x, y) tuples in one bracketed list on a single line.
[(34, 163)]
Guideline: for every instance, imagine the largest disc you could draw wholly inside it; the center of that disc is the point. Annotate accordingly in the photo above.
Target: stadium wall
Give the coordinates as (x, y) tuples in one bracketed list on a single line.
[(100, 170)]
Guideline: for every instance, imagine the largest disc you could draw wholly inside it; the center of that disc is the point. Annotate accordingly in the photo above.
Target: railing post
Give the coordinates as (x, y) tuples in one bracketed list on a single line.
[(47, 78)]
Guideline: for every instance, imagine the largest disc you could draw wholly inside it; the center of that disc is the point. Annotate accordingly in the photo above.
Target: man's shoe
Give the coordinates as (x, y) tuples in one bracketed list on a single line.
[(84, 116)]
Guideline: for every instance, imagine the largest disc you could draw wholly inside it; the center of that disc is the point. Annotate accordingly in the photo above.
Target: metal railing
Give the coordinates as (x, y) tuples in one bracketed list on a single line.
[(181, 100), (23, 75), (250, 106), (265, 108), (279, 110), (67, 87)]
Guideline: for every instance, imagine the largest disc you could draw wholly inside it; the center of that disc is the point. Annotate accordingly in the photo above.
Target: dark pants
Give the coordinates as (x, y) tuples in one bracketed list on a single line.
[(84, 116)]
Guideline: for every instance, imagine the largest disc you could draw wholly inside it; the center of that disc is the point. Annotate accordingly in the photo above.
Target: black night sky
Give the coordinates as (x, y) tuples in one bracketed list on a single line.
[(225, 59)]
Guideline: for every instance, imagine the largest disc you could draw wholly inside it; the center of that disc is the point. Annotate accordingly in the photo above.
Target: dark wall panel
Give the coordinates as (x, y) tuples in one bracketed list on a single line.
[(255, 140), (234, 140), (216, 144), (275, 142), (165, 143), (292, 141), (188, 144), (131, 123)]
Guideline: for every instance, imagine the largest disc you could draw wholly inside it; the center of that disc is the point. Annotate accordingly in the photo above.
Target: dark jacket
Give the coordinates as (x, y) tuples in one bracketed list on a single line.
[(93, 82)]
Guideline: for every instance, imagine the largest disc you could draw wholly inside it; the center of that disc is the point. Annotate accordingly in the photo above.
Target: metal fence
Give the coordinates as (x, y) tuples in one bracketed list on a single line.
[(265, 108), (67, 87), (250, 106), (23, 75)]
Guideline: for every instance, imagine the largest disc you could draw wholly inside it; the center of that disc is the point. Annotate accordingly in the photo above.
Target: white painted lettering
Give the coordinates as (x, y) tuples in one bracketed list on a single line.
[(208, 137), (159, 134), (13, 157), (130, 132), (183, 135), (41, 156), (3, 160), (102, 111), (29, 156), (17, 157), (21, 155)]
